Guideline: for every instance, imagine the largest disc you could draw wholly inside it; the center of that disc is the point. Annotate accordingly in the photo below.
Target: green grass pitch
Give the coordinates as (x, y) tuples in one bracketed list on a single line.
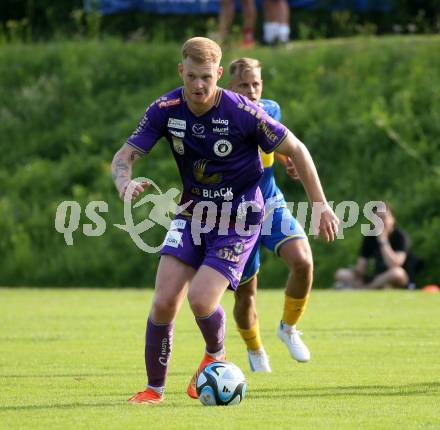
[(69, 359)]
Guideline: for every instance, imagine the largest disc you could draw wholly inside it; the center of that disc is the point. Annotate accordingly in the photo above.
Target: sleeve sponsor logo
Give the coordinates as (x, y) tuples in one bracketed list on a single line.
[(180, 124), (252, 111), (264, 127), (168, 103), (142, 125)]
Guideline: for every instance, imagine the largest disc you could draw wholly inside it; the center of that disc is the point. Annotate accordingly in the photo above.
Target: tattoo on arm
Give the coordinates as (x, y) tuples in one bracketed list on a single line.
[(122, 164), (136, 155), (120, 169)]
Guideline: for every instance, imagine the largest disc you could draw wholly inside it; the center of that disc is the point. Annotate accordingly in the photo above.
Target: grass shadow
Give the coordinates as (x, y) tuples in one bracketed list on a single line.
[(406, 390)]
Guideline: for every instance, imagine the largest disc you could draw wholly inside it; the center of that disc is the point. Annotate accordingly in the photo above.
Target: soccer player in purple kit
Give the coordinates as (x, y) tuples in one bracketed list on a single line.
[(214, 135)]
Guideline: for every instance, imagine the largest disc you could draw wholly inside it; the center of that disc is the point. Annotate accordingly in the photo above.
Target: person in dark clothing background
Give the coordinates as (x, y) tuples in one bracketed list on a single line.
[(394, 264)]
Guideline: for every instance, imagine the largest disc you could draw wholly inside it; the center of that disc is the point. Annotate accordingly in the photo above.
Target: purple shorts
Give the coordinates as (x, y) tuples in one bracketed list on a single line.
[(227, 254)]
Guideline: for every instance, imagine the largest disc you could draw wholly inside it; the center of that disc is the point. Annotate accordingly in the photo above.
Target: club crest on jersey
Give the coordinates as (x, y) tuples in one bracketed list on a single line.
[(177, 123), (222, 148), (178, 145)]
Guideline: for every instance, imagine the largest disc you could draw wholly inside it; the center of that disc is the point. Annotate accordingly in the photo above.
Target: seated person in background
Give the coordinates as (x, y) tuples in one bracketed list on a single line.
[(390, 251)]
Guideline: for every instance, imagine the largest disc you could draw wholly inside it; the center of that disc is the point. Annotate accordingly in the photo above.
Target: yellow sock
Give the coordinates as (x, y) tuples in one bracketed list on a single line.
[(293, 309), (251, 336)]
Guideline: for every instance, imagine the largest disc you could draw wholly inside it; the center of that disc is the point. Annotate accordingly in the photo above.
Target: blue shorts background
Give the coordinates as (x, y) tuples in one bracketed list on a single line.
[(274, 241)]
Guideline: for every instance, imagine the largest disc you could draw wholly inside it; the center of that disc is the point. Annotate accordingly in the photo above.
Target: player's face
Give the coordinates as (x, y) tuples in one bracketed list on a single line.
[(200, 81), (249, 85)]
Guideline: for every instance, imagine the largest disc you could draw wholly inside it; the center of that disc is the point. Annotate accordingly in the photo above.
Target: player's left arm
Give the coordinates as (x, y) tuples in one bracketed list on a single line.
[(292, 147)]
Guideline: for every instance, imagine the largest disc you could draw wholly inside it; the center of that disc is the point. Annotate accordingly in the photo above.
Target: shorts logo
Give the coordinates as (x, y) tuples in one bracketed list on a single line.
[(173, 239), (198, 129), (178, 145), (178, 224), (238, 248), (235, 273), (177, 123), (222, 148), (227, 254)]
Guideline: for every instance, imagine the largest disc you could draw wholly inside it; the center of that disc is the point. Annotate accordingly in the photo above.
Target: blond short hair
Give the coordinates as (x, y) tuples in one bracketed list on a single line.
[(201, 50), (242, 65)]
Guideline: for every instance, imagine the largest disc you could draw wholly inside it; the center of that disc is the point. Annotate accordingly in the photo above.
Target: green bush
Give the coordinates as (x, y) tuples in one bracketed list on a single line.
[(367, 108)]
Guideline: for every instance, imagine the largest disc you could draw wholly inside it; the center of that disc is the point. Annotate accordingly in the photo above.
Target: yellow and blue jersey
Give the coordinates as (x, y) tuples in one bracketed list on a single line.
[(268, 185)]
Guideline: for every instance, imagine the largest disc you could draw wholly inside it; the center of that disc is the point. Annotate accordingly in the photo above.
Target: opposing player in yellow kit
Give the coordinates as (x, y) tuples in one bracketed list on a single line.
[(292, 245)]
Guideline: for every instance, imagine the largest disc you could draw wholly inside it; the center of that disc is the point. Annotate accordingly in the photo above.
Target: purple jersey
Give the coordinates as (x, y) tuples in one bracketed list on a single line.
[(217, 152)]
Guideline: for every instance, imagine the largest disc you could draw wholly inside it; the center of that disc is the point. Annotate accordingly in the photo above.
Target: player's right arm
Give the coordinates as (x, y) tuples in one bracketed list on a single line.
[(122, 166)]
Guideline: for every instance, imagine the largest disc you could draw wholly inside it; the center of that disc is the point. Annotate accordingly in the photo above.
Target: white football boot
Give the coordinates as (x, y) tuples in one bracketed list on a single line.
[(291, 337), (259, 361)]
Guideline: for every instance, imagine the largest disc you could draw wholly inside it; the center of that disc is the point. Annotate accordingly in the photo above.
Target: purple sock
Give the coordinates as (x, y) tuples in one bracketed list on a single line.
[(213, 329), (158, 345)]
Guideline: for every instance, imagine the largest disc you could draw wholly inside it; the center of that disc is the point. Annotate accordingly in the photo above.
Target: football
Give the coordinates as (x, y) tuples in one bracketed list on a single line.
[(221, 384)]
